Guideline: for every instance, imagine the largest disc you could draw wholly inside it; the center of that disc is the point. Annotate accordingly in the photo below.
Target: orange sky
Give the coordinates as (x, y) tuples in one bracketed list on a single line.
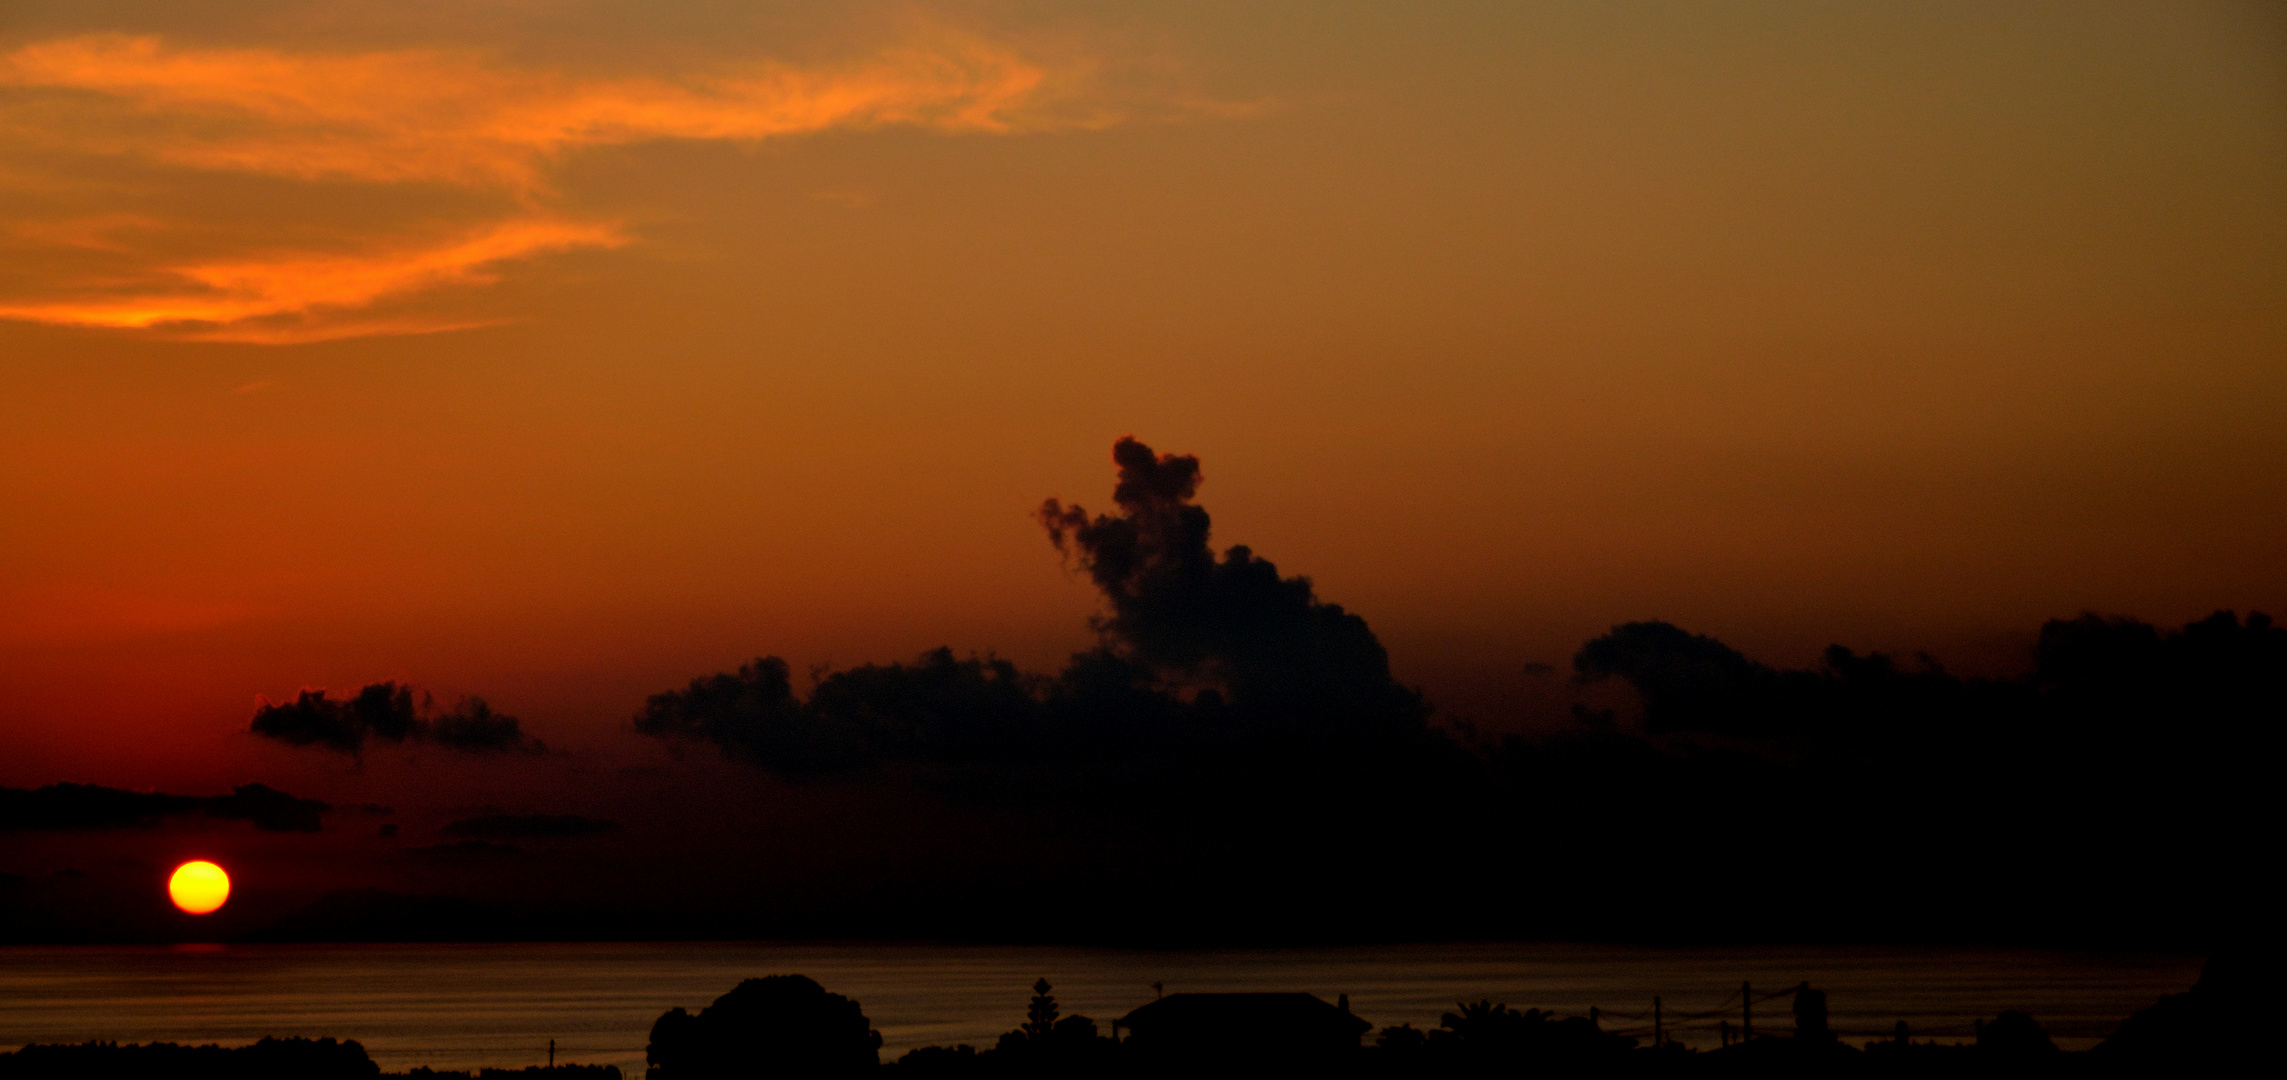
[(558, 352)]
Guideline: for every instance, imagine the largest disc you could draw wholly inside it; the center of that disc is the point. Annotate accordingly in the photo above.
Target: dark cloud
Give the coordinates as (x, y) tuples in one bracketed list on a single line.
[(938, 708), (382, 711), (386, 712), (270, 809), (2087, 670), (530, 826), (751, 714), (88, 806), (1199, 653), (1865, 795), (2114, 670), (473, 727), (1688, 682), (1267, 641)]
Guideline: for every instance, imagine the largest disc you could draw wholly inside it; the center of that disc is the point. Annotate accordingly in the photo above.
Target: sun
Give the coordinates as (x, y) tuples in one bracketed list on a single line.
[(199, 887)]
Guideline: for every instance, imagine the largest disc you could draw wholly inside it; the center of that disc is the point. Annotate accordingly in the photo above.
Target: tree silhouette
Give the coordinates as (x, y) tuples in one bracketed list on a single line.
[(783, 1024), (1040, 1014), (1810, 1015)]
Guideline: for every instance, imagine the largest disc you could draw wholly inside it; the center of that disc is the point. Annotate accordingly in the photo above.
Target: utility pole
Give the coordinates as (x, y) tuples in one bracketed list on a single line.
[(1657, 1041), (1746, 1011), (551, 1053)]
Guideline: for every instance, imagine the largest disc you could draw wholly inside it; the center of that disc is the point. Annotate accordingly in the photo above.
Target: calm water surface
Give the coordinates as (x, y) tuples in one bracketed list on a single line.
[(464, 1006)]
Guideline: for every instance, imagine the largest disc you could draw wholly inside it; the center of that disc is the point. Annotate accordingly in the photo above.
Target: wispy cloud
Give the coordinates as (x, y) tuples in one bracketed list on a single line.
[(225, 294), (99, 232), (452, 118), (399, 118)]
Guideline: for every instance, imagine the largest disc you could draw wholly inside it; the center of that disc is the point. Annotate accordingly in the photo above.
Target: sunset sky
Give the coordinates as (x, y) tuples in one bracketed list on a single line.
[(558, 352)]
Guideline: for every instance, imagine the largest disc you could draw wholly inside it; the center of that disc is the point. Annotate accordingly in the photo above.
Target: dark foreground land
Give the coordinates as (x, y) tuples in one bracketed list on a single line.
[(789, 1026), (270, 1059)]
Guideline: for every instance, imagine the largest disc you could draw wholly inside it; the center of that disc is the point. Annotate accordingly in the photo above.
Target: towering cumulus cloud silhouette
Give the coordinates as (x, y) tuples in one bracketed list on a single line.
[(1279, 652), (1197, 651)]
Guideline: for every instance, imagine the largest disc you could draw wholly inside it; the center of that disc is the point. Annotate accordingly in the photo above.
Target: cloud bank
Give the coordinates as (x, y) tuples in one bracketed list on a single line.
[(1238, 746), (2091, 673)]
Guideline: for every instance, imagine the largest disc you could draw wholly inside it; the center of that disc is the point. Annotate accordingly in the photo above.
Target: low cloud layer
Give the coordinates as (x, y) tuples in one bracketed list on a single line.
[(2093, 671), (1240, 745), (386, 712), (65, 807)]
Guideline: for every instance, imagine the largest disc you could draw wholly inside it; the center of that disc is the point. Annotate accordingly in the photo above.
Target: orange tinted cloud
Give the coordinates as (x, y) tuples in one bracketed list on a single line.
[(97, 233), (449, 117), (410, 117), (221, 294)]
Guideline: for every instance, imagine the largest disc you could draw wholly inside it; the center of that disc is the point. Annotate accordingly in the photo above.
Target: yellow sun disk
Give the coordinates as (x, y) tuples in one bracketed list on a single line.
[(199, 887)]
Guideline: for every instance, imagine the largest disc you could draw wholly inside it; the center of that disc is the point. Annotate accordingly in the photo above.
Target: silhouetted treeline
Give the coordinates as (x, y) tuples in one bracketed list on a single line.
[(1486, 1036), (782, 1024), (789, 1025), (269, 1059), (529, 1072), (2223, 1024)]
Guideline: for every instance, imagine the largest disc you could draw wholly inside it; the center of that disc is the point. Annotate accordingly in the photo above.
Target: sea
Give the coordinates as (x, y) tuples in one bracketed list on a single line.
[(501, 1005)]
